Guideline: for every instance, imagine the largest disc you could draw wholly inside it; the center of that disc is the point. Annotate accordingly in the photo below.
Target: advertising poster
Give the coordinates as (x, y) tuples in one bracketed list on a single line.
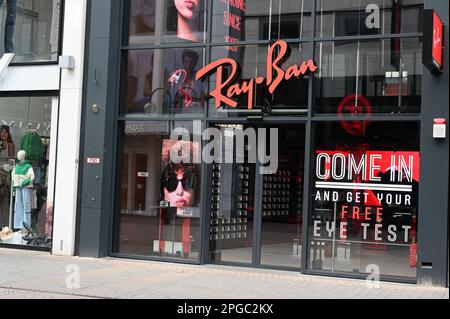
[(180, 193), (232, 24), (180, 177), (186, 20), (369, 197)]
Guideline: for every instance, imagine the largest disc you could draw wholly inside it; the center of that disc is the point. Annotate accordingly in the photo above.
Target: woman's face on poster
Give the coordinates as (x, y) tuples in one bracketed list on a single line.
[(187, 8), (180, 197)]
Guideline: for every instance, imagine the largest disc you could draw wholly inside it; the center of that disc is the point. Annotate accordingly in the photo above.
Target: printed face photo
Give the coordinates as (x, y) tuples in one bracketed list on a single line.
[(179, 189), (180, 182), (188, 9), (185, 17)]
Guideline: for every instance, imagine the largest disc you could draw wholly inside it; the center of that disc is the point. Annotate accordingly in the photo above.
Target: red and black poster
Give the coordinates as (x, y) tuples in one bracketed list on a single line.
[(231, 25), (366, 196)]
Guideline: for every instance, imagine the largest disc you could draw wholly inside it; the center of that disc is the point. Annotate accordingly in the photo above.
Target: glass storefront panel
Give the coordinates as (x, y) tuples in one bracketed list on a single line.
[(367, 17), (172, 21), (161, 82), (364, 198), (282, 202), (30, 29), (363, 203), (290, 95), (246, 205), (246, 20), (232, 203), (160, 191), (368, 77), (26, 171)]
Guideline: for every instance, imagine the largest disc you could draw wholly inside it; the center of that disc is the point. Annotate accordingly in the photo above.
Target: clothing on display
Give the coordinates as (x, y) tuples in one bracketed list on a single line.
[(10, 24), (22, 180), (32, 144), (34, 204), (22, 207), (37, 175), (23, 175), (5, 169), (6, 150)]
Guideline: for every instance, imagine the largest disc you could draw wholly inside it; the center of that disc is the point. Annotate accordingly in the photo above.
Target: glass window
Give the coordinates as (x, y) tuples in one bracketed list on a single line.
[(30, 29), (232, 198), (365, 198), (162, 82), (282, 202), (368, 17), (26, 171), (176, 21), (244, 20), (236, 205), (365, 77), (253, 63), (160, 191)]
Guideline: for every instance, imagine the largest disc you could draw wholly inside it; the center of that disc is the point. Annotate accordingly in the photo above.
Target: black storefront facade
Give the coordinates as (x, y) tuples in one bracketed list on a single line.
[(360, 185)]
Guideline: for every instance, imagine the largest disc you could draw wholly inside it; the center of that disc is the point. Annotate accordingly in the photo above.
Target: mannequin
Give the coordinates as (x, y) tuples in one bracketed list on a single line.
[(10, 25), (22, 179)]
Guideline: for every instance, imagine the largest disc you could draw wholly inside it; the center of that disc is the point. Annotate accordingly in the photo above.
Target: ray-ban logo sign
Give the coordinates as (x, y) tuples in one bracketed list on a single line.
[(225, 90)]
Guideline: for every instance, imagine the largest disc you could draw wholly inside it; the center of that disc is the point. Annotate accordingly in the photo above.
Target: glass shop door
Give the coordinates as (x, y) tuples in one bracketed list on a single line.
[(256, 219)]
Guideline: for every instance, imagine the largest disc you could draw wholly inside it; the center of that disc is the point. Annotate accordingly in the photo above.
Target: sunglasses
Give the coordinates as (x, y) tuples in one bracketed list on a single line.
[(171, 182)]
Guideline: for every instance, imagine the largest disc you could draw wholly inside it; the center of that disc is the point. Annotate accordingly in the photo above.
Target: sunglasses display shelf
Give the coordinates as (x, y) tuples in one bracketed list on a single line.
[(276, 194), (237, 226)]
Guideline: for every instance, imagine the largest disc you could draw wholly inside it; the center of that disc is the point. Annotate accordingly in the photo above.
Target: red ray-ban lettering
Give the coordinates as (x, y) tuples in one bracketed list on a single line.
[(275, 76)]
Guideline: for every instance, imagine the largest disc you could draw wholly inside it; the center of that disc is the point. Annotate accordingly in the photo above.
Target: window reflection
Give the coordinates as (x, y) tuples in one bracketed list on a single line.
[(30, 29), (246, 20), (154, 22), (385, 73), (162, 82), (367, 17)]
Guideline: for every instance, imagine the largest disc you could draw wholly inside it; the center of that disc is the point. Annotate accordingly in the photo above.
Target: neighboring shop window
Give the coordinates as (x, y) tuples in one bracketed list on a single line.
[(367, 77), (26, 171), (365, 198), (252, 62), (30, 29), (162, 82), (367, 17), (246, 20), (175, 21), (160, 187)]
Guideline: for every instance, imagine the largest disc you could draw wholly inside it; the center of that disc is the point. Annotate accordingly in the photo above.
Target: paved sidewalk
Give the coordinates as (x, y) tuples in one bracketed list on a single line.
[(39, 275)]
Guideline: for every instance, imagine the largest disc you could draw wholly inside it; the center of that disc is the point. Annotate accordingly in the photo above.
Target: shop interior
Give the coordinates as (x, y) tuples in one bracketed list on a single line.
[(233, 214), (25, 209)]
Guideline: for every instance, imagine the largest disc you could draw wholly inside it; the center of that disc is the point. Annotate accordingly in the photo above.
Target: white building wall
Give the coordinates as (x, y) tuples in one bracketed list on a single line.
[(66, 187), (30, 78)]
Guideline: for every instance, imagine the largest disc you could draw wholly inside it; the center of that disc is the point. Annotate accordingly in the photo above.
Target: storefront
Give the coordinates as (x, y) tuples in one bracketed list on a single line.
[(28, 116), (27, 209), (298, 127), (40, 102)]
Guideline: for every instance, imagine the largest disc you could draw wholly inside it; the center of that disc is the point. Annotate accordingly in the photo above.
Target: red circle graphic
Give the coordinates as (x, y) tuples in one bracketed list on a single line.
[(354, 105)]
